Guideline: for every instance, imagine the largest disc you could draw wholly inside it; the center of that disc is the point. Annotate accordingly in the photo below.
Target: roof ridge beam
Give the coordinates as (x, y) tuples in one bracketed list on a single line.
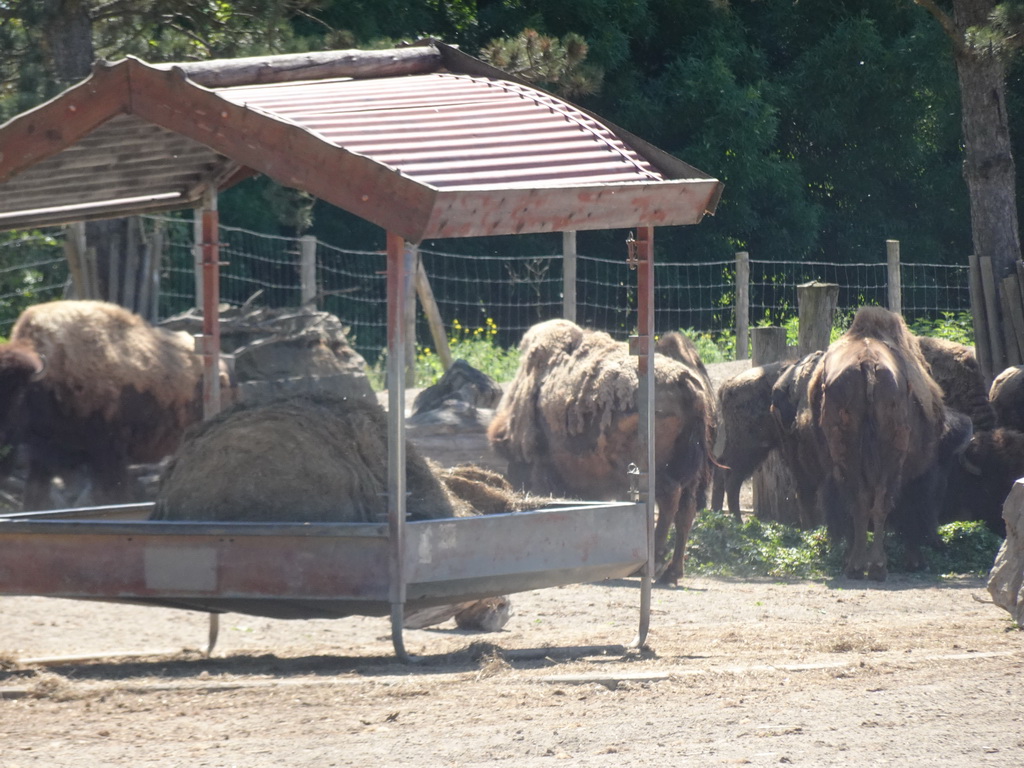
[(316, 65)]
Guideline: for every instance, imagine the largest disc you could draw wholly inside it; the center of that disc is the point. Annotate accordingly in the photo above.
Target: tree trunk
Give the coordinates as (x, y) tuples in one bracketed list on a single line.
[(988, 159), (68, 34)]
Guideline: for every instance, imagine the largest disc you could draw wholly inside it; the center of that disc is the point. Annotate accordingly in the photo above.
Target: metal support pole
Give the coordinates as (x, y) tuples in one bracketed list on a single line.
[(569, 276), (400, 271), (644, 349), (210, 248), (307, 271)]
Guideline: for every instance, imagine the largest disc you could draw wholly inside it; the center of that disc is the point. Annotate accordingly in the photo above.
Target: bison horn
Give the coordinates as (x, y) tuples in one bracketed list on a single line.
[(968, 465), (41, 370)]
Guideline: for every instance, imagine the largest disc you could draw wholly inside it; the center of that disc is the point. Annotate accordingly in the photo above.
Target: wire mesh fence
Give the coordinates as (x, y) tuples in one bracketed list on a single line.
[(509, 293)]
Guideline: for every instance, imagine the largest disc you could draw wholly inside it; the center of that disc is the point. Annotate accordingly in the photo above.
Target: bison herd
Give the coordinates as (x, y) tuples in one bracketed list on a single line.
[(881, 431)]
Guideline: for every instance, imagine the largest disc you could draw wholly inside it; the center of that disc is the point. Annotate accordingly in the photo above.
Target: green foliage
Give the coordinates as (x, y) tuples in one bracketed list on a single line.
[(720, 546), (953, 326), (474, 345), (558, 65), (968, 548)]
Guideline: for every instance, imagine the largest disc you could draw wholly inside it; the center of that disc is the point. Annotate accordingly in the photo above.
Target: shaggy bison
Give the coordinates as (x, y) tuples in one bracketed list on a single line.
[(1007, 397), (955, 369), (992, 462), (880, 417), (323, 458), (90, 384), (567, 424), (746, 432)]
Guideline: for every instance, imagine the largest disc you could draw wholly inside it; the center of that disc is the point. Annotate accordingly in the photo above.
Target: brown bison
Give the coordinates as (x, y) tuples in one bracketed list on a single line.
[(567, 424), (746, 432), (880, 417), (992, 462), (955, 369), (1007, 397), (323, 458), (90, 384)]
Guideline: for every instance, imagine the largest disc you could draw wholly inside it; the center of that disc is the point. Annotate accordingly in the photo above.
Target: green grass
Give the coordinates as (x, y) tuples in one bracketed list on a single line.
[(719, 546)]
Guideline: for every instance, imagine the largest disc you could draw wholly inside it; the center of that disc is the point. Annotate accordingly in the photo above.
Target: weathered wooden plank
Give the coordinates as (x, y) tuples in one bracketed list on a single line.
[(497, 211), (316, 65), (54, 125)]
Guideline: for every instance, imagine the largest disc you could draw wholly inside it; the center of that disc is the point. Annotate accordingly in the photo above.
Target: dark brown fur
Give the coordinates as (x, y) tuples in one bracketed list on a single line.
[(880, 417), (113, 390)]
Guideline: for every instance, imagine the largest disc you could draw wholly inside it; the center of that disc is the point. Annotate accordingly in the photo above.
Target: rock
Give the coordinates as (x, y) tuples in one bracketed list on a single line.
[(1007, 574)]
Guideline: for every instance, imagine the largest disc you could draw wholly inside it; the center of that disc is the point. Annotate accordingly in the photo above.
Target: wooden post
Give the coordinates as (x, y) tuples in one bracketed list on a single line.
[(817, 307), (773, 487), (769, 344), (74, 252), (995, 336), (429, 304), (307, 271), (569, 276), (130, 264), (982, 346), (895, 283), (742, 305), (1011, 302)]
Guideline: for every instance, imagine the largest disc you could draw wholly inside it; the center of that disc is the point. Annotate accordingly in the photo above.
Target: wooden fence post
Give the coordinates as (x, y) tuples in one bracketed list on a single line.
[(817, 307), (569, 275), (742, 304), (982, 346), (307, 271), (992, 302), (426, 296), (895, 282), (772, 484)]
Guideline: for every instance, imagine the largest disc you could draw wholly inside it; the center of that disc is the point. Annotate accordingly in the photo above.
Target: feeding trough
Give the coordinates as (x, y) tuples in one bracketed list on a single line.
[(426, 142)]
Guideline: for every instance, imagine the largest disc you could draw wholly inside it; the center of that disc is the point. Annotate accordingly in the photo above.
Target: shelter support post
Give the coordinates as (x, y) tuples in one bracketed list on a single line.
[(399, 275), (569, 275), (644, 349), (210, 247)]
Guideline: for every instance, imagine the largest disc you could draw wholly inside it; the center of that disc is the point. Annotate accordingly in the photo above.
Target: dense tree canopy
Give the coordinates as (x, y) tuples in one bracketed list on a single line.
[(835, 125)]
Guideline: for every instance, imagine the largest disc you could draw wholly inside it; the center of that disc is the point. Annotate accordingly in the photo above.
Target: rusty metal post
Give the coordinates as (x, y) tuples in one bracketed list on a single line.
[(644, 349), (400, 264), (210, 247)]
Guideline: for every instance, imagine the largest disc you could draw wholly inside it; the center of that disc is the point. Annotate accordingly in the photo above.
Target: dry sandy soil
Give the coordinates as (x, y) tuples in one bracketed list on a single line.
[(909, 673)]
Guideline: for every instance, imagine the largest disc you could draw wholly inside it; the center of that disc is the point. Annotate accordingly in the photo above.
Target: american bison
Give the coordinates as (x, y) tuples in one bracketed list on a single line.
[(992, 462), (955, 369), (746, 432), (1007, 397), (323, 458), (880, 417), (567, 424), (90, 384)]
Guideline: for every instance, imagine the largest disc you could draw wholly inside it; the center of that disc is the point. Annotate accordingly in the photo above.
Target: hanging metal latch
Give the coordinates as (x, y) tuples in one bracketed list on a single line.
[(633, 471), (632, 252)]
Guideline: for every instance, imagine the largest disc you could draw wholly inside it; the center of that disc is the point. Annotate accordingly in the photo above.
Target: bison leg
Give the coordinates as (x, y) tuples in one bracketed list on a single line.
[(686, 513), (112, 483), (718, 489), (37, 486), (668, 510)]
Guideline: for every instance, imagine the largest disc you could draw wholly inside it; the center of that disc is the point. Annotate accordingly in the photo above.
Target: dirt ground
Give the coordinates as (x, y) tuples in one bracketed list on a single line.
[(909, 673), (913, 672)]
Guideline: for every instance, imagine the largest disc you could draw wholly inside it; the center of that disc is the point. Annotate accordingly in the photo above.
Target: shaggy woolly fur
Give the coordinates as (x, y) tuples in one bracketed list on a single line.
[(567, 423)]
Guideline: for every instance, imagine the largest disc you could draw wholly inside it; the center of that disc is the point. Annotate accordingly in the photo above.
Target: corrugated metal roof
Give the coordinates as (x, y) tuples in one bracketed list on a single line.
[(455, 130), (448, 149)]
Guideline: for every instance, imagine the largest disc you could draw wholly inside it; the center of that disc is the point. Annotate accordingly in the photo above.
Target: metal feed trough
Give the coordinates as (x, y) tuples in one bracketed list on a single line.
[(424, 141)]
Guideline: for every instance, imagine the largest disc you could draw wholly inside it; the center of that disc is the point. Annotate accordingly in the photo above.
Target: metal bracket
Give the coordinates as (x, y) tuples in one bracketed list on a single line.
[(632, 252)]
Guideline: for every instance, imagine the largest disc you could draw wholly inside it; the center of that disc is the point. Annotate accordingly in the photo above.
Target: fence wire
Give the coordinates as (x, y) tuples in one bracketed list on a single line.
[(512, 293)]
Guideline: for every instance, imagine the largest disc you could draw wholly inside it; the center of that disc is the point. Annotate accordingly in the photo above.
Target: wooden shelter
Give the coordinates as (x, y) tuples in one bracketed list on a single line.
[(424, 141)]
